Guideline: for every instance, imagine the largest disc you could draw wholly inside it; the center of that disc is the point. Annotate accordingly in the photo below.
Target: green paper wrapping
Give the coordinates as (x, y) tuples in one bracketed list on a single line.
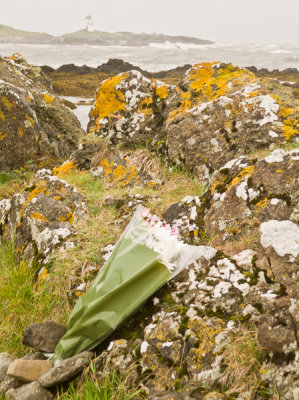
[(130, 276)]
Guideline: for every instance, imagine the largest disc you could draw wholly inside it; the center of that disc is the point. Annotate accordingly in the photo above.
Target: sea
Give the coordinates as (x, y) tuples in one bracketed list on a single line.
[(156, 57)]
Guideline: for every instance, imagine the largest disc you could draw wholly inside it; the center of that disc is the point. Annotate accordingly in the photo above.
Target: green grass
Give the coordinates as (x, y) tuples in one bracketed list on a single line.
[(22, 299), (13, 182), (111, 387)]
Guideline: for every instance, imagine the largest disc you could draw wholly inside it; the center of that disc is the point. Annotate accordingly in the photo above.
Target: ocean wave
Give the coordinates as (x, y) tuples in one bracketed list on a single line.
[(180, 45)]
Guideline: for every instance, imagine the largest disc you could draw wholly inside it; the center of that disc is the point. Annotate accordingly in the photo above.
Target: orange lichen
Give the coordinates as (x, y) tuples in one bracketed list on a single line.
[(207, 83), (39, 216), (109, 101), (68, 218), (145, 106), (162, 91), (41, 187), (65, 169), (290, 128), (119, 175)]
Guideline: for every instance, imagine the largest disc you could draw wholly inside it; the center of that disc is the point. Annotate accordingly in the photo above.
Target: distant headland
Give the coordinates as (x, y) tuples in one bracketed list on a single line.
[(89, 35)]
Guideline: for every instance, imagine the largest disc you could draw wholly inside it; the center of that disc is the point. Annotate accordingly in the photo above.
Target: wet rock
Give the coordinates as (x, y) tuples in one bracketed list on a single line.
[(32, 391), (43, 337), (66, 369), (33, 122), (5, 361), (29, 370)]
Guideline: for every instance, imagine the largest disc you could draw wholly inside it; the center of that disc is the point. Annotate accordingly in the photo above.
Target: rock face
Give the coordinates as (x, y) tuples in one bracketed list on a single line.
[(42, 217), (33, 122), (43, 337), (128, 108)]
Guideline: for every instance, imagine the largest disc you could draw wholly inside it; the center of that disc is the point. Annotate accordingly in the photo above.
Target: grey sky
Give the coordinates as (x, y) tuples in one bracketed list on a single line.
[(261, 21)]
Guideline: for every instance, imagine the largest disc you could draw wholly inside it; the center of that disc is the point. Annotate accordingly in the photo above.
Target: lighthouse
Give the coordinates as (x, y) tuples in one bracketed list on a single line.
[(89, 24)]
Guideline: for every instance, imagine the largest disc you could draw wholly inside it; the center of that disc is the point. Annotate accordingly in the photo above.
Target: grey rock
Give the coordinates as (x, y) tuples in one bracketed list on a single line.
[(37, 355), (43, 337), (8, 383), (66, 369), (32, 391), (5, 361)]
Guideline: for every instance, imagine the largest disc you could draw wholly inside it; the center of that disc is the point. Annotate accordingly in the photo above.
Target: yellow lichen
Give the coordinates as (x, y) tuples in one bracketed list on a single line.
[(41, 187), (206, 332), (2, 117), (145, 106), (289, 130), (245, 172), (6, 103), (208, 83), (48, 98), (20, 131), (162, 91), (30, 120), (65, 169), (43, 275), (39, 216), (119, 175), (263, 203), (68, 218), (109, 100), (3, 136)]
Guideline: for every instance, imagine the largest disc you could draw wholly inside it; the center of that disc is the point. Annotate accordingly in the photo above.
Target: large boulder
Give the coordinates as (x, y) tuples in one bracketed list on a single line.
[(41, 217), (129, 108), (222, 112), (33, 122)]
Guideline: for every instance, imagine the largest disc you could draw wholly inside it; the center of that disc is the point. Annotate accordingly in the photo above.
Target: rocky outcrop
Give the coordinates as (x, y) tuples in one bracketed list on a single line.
[(223, 112), (217, 113), (33, 122), (41, 217), (181, 348), (128, 108)]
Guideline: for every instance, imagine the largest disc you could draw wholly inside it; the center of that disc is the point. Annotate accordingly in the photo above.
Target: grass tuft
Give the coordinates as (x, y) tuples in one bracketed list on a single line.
[(110, 387)]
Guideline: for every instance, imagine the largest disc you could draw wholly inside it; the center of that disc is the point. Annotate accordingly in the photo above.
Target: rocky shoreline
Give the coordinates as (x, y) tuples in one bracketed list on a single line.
[(217, 157)]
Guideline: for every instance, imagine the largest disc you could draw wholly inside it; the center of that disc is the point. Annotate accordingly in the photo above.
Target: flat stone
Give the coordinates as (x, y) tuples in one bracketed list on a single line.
[(43, 337), (66, 369), (5, 361), (32, 391), (29, 370)]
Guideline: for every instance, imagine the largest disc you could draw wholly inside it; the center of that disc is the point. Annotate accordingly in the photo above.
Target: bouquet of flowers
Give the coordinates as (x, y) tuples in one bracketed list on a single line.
[(146, 256)]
